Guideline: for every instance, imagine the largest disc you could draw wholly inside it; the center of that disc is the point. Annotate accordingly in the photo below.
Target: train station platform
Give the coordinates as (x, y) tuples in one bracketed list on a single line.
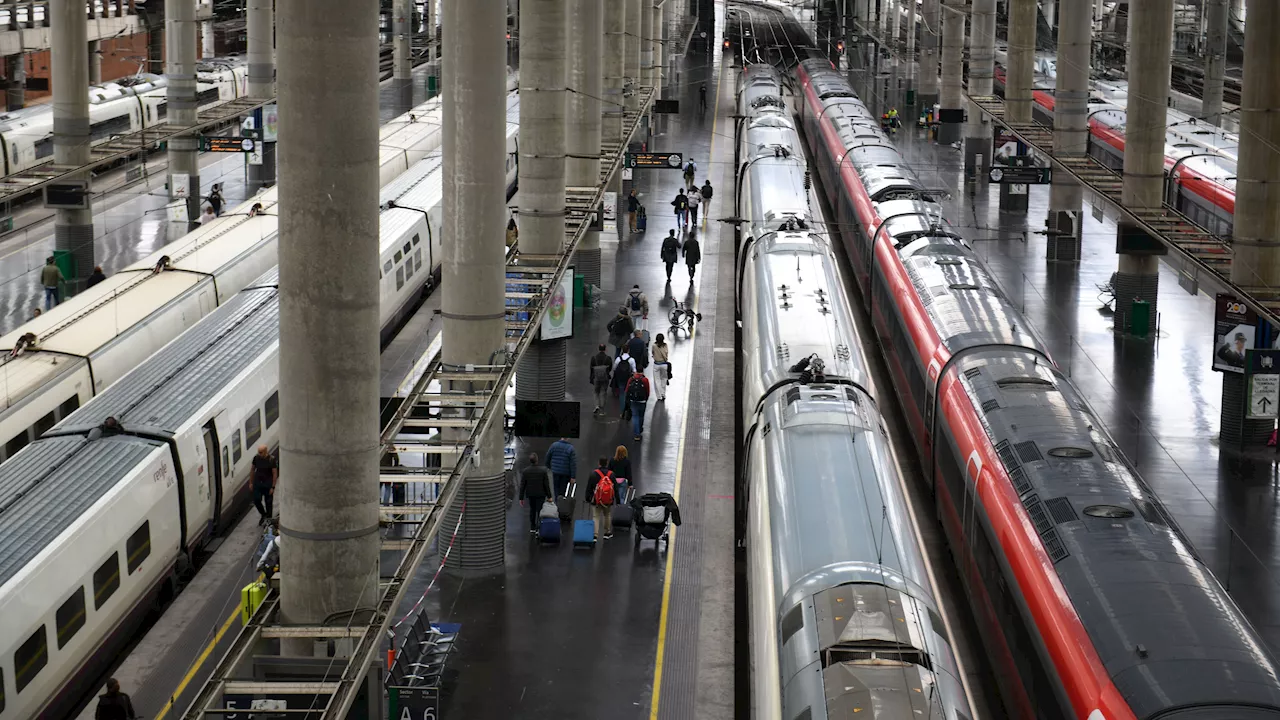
[(1158, 397), (620, 631), (129, 213)]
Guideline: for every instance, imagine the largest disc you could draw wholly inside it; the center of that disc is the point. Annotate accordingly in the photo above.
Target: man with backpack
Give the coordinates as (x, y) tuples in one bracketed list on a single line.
[(637, 393), (637, 306), (706, 193), (601, 368), (681, 204), (695, 198), (670, 252), (623, 368), (602, 496), (690, 172), (620, 328)]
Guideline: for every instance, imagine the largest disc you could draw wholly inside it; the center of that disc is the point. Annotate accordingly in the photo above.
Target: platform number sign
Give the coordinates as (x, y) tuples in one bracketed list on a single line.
[(415, 703)]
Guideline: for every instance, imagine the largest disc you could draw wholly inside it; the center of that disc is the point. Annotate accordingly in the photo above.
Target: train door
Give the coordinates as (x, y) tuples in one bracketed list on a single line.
[(212, 457), (972, 475), (206, 302)]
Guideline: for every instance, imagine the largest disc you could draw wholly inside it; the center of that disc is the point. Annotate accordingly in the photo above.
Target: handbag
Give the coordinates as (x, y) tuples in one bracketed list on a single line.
[(549, 510), (626, 412)]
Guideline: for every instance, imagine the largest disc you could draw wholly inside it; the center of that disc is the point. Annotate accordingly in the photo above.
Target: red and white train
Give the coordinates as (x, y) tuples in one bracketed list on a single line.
[(1089, 600), (1200, 159)]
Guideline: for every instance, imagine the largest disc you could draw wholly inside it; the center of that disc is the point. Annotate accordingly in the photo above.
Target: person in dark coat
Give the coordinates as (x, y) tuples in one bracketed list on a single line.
[(670, 252), (620, 466), (562, 459), (638, 350), (681, 205), (113, 704), (692, 255), (215, 199), (601, 371), (620, 328), (97, 277), (535, 488)]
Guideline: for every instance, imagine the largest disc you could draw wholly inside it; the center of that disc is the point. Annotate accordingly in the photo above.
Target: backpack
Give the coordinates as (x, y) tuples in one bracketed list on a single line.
[(604, 488), (599, 375), (636, 390), (622, 370), (634, 302), (706, 192)]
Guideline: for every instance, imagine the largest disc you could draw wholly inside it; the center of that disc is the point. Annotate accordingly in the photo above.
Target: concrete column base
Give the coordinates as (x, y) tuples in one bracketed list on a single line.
[(1236, 431), (949, 132), (1011, 202), (15, 92), (975, 168), (541, 372), (1064, 238), (76, 237), (1129, 287), (587, 260), (478, 549)]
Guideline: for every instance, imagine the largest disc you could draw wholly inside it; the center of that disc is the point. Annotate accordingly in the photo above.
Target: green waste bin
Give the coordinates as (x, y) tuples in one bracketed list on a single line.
[(911, 97), (432, 89), (579, 290), (66, 262), (1140, 318)]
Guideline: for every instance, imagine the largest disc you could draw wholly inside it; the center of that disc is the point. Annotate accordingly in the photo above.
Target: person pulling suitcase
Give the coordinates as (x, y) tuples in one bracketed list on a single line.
[(535, 488)]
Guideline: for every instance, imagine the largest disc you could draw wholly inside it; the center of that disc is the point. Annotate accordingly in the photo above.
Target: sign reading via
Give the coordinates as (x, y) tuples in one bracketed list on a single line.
[(655, 161), (1007, 174)]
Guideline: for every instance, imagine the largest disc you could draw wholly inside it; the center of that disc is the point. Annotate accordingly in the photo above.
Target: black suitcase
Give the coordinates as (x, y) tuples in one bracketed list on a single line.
[(623, 516), (565, 504)]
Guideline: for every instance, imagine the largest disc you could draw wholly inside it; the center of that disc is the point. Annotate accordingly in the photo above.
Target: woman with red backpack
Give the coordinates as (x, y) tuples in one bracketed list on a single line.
[(602, 494)]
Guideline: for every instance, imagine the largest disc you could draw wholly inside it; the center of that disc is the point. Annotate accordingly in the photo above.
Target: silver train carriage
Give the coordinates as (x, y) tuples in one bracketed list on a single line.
[(843, 619)]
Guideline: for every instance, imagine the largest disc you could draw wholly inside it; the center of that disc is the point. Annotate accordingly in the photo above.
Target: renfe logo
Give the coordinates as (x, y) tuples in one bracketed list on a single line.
[(162, 475)]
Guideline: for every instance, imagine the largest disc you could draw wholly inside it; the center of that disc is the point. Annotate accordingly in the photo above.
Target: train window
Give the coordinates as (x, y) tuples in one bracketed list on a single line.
[(938, 627), (226, 461), (387, 267), (1, 691), (106, 579), (792, 622), (30, 658), (44, 148), (44, 423), (272, 408), (16, 443), (70, 617), (207, 96), (406, 248), (408, 269), (138, 546), (235, 446), (69, 406), (417, 259), (252, 428), (399, 275), (399, 256), (148, 113), (417, 238)]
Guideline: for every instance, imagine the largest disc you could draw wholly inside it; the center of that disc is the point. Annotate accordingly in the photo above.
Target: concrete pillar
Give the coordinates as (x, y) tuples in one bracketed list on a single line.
[(207, 44), (73, 229), (1070, 127), (1022, 56), (402, 41), (1150, 61), (614, 53), (895, 20), (328, 309), (882, 19), (472, 303), (930, 37), (429, 28), (1215, 59), (646, 45), (582, 129), (1050, 9), (655, 44), (951, 116), (15, 91), (260, 19), (632, 53), (978, 131), (95, 62), (911, 47), (542, 167), (180, 66)]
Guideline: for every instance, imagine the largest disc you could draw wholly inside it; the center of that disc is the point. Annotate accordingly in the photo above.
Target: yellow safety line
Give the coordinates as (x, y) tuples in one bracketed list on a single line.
[(195, 668), (684, 424)]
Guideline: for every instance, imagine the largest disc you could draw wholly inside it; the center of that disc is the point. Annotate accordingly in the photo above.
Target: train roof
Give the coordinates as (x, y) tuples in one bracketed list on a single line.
[(161, 394), (51, 483), (1164, 628)]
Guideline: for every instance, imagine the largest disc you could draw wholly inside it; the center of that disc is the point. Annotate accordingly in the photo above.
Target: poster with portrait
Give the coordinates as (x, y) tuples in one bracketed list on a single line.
[(1234, 329), (557, 322)]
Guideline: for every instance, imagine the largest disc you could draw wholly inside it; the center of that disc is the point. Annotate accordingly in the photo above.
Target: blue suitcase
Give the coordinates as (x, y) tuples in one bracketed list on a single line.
[(549, 530), (584, 533), (642, 220)]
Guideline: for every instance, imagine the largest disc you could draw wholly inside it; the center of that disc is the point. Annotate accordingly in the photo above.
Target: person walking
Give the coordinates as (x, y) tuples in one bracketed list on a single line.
[(562, 459), (638, 349), (51, 278), (637, 398), (265, 475), (695, 199), (113, 704), (690, 173), (208, 215), (215, 199), (602, 497), (620, 328), (97, 277), (702, 98), (706, 192), (535, 488), (681, 204), (670, 251), (620, 466), (633, 207), (601, 367), (513, 233), (637, 307), (661, 365), (692, 255), (623, 368)]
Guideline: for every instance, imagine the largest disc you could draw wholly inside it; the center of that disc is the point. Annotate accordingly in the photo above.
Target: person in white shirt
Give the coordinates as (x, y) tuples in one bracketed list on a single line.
[(207, 215)]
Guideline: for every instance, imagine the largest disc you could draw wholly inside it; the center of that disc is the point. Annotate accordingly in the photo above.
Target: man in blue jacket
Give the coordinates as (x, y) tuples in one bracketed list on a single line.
[(562, 459)]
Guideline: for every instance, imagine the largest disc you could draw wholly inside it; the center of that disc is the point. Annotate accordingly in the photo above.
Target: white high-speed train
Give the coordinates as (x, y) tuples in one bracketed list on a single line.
[(115, 108), (97, 527), (843, 619), (93, 339)]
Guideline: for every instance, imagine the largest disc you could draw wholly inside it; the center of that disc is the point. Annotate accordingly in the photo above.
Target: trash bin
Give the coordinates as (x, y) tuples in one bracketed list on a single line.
[(579, 290), (66, 262), (911, 97), (1140, 318)]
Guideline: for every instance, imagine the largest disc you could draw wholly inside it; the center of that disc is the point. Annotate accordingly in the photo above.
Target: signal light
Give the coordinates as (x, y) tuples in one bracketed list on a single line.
[(726, 44), (840, 46)]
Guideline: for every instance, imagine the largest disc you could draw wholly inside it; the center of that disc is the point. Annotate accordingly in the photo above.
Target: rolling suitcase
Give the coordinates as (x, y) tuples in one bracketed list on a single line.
[(565, 504), (549, 530), (623, 516), (642, 219), (584, 533)]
